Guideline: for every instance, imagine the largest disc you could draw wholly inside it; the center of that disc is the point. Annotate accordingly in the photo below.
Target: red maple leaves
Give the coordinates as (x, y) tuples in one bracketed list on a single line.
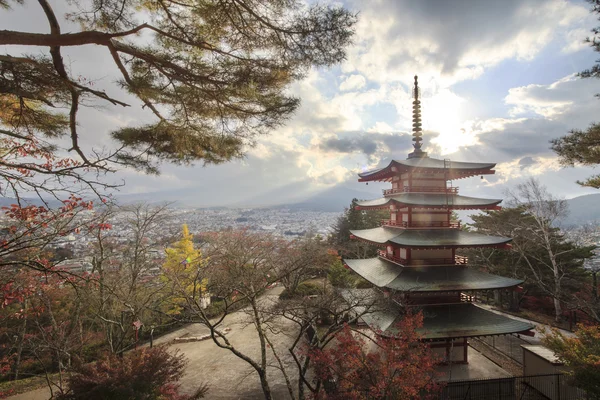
[(362, 365)]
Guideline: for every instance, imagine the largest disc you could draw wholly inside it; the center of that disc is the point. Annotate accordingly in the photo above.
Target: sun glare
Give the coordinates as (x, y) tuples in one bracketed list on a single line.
[(442, 113)]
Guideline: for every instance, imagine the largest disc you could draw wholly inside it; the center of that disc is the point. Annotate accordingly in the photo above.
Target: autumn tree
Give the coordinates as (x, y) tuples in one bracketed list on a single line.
[(302, 259), (582, 147), (357, 366), (29, 229), (240, 266), (44, 326), (242, 270), (125, 272), (581, 354), (183, 272), (318, 320), (142, 374), (210, 75)]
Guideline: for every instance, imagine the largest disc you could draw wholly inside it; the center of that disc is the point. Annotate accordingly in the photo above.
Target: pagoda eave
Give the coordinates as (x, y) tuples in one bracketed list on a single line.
[(460, 246), (428, 238), (428, 279), (440, 201), (387, 176), (450, 321), (426, 165), (433, 247), (429, 207)]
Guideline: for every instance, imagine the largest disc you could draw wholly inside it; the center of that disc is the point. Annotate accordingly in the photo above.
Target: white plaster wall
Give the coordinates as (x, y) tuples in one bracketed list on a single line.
[(429, 217), (430, 253)]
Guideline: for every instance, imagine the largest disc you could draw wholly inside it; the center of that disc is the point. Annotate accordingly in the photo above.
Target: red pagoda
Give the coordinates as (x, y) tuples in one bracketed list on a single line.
[(418, 265)]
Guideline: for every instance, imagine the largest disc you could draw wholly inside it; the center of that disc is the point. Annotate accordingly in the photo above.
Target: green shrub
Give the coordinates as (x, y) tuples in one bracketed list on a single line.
[(303, 289), (340, 276), (362, 283), (215, 309)]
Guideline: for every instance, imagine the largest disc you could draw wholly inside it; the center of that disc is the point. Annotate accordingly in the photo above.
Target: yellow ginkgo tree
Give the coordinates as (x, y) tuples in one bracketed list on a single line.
[(183, 270)]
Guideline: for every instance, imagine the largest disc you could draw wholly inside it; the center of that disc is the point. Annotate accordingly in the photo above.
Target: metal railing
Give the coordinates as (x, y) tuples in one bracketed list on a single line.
[(533, 387), (421, 189), (457, 260), (421, 224)]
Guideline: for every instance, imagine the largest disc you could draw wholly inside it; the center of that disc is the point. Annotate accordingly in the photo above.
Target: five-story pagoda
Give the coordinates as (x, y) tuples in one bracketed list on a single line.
[(417, 264)]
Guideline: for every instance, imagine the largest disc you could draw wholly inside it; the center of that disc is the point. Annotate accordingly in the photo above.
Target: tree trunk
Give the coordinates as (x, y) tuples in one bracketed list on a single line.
[(557, 292), (264, 383), (21, 339), (557, 309)]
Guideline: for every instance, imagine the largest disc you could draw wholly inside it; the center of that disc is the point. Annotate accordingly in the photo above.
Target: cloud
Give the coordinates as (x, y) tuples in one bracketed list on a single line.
[(575, 40), (527, 162), (353, 82), (552, 100), (512, 170), (373, 145), (454, 41), (349, 145)]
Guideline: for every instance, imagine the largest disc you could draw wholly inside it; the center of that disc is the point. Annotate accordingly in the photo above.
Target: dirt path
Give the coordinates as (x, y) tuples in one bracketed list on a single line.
[(228, 376)]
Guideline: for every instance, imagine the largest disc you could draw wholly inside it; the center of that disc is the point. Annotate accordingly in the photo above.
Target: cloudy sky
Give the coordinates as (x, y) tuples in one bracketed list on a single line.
[(497, 79)]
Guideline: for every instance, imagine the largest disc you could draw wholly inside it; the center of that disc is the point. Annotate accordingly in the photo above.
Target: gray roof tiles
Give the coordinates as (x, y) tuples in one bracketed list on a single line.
[(450, 321), (430, 199), (428, 238), (383, 273)]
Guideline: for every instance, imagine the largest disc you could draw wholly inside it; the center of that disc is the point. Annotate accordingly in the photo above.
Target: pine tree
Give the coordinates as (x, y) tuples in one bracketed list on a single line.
[(583, 146), (210, 75), (352, 219)]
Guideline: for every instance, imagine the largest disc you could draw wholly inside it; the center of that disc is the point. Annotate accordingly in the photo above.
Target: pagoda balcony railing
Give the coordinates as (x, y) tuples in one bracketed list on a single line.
[(457, 260), (421, 189), (421, 224), (391, 257)]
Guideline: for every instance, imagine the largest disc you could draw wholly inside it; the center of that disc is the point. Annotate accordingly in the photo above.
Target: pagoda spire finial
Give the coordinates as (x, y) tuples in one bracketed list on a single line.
[(417, 131)]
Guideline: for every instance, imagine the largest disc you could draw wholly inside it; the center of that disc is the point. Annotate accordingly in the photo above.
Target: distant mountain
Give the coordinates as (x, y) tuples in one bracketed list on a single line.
[(583, 210), (290, 193), (331, 200)]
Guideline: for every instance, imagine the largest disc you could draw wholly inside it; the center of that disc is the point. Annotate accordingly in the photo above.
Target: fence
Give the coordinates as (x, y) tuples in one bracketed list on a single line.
[(533, 387), (509, 345)]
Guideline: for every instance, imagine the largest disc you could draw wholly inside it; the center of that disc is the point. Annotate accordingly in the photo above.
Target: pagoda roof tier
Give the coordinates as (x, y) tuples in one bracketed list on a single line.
[(428, 238), (383, 273), (454, 169), (431, 200), (448, 321)]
